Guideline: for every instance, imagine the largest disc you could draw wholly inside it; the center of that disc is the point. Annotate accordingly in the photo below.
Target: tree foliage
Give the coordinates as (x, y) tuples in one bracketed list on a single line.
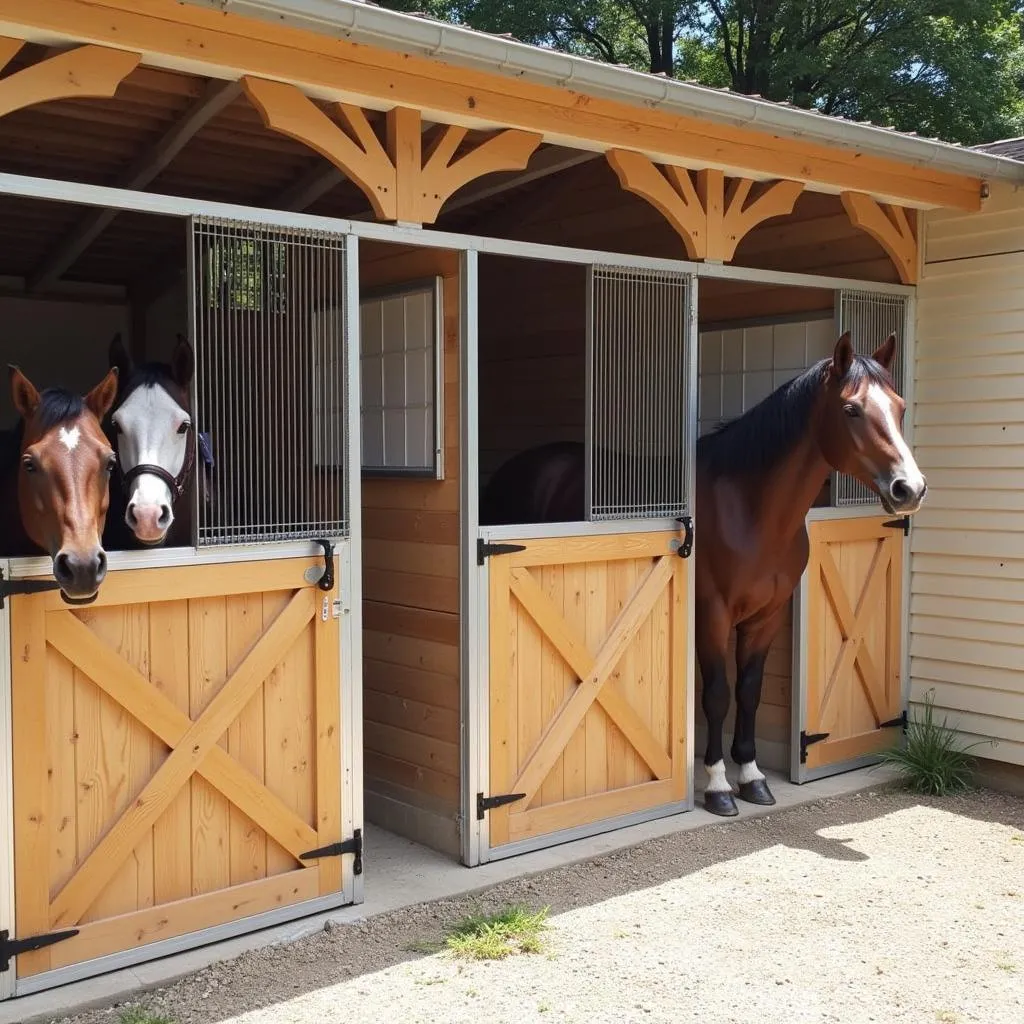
[(949, 68)]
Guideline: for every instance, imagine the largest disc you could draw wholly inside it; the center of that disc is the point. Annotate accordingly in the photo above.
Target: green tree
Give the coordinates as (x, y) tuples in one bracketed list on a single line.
[(951, 68)]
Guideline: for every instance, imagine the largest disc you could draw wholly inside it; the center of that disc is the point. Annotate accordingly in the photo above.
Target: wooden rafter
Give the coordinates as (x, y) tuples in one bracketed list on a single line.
[(889, 226), (213, 100), (402, 181), (86, 71), (710, 218)]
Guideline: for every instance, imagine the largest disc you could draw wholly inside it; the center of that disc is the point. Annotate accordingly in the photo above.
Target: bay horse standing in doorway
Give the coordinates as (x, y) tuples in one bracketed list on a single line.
[(757, 477), (151, 428), (55, 482)]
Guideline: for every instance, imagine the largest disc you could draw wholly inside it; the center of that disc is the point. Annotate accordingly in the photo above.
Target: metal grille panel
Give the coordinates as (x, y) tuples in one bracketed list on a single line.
[(271, 381), (637, 394), (870, 317)]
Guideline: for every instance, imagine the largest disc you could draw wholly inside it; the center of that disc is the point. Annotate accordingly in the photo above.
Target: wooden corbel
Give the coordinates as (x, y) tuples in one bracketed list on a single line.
[(401, 181), (889, 226)]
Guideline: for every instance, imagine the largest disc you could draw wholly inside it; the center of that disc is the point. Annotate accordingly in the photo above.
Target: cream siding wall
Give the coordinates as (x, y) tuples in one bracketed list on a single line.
[(967, 585)]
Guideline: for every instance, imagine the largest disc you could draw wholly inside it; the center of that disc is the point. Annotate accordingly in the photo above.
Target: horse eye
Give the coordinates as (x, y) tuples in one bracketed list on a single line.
[(852, 411), (111, 463), (183, 429), (28, 464)]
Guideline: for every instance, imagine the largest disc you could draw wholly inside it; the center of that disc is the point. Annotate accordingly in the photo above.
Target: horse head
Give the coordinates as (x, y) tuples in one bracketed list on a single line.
[(152, 430), (860, 426), (64, 478)]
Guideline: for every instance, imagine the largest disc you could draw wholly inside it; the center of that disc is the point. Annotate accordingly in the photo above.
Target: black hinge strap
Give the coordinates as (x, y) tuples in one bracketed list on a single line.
[(903, 523), (353, 845), (806, 739), (10, 948), (12, 588), (326, 582), (485, 550), (488, 803), (901, 722)]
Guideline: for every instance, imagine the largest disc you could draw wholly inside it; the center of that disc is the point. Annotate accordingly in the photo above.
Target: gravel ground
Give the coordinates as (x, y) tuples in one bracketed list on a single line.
[(875, 907)]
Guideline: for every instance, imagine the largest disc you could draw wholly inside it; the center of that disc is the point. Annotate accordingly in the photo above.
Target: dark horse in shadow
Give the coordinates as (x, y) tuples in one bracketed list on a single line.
[(757, 477)]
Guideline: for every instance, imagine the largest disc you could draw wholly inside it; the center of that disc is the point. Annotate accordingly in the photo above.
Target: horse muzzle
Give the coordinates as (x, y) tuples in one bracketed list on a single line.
[(80, 573), (902, 496)]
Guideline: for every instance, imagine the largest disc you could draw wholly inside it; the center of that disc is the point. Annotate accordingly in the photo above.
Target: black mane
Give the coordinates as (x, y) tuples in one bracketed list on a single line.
[(764, 435), (147, 375)]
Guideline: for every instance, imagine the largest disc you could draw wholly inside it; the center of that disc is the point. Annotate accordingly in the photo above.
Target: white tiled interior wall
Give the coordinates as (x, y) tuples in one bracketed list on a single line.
[(740, 367)]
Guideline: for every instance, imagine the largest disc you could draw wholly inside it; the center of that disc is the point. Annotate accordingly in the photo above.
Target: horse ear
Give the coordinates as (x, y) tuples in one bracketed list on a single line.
[(842, 357), (101, 398), (183, 362), (23, 393), (119, 357), (886, 352)]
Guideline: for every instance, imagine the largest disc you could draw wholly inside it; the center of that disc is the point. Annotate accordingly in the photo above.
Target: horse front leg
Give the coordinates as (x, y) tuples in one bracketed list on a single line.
[(752, 643), (712, 639)]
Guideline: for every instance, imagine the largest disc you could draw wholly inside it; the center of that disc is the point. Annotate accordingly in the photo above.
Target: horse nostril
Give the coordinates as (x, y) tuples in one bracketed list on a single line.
[(101, 564), (900, 491), (130, 515), (165, 516), (62, 568)]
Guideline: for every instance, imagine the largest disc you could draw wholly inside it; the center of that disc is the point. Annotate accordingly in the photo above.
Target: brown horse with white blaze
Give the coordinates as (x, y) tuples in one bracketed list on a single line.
[(61, 479), (757, 478)]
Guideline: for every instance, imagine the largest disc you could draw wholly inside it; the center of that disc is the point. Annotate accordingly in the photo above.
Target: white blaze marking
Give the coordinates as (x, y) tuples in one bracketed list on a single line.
[(69, 438), (907, 466), (750, 773), (717, 782)]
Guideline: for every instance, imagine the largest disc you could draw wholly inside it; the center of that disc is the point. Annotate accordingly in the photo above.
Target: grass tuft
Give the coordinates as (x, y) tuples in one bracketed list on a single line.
[(932, 760), (137, 1015), (496, 936)]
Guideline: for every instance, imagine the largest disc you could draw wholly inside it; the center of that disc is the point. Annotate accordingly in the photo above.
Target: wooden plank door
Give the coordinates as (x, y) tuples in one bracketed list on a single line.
[(588, 661), (176, 751), (851, 600)]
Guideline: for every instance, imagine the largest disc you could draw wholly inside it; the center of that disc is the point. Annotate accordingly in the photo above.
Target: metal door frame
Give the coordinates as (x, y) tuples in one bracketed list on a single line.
[(474, 588), (799, 773), (348, 550)]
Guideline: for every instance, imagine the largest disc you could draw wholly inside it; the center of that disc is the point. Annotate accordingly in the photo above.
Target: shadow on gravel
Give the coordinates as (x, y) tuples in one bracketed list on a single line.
[(344, 952)]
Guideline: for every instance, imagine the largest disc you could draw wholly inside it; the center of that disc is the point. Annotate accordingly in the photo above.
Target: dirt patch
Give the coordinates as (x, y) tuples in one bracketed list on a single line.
[(875, 907)]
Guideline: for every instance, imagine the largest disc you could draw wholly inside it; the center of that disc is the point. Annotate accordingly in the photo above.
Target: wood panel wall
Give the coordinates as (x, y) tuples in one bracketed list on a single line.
[(587, 208), (411, 678), (533, 323)]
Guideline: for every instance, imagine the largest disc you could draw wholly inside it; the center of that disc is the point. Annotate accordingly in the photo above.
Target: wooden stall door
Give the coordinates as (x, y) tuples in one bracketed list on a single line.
[(588, 687), (853, 590), (176, 751)]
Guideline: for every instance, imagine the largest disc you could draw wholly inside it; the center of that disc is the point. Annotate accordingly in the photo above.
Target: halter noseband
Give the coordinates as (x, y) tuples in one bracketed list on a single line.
[(175, 484)]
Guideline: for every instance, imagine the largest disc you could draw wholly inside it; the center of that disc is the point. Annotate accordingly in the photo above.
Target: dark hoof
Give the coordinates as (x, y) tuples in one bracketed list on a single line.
[(721, 804), (757, 792)]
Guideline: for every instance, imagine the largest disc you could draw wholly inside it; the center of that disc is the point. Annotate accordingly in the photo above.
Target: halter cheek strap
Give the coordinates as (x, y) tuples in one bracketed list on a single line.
[(175, 484)]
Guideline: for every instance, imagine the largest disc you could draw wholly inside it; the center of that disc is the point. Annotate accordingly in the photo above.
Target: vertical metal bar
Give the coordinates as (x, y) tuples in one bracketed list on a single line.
[(7, 907), (589, 399), (689, 364), (473, 594), (192, 326)]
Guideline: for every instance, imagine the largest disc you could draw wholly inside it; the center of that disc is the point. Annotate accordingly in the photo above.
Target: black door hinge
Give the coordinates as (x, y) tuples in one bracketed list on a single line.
[(11, 588), (485, 550), (326, 582), (10, 948), (806, 739), (894, 722), (903, 523), (353, 845), (488, 803), (685, 548)]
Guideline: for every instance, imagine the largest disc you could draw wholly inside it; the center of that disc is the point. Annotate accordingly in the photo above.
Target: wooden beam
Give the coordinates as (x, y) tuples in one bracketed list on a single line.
[(889, 226), (402, 182), (188, 36), (86, 71), (63, 255), (313, 185), (710, 219)]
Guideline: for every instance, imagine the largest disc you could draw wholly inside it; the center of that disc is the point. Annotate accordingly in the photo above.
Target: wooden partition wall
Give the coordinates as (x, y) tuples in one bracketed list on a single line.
[(411, 689)]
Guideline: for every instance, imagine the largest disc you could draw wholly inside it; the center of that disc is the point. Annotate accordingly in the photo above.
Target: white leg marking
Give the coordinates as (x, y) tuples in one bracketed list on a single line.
[(69, 438), (717, 782), (750, 773)]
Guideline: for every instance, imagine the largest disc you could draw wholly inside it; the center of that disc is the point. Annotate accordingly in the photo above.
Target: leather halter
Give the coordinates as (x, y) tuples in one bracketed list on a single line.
[(175, 484)]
